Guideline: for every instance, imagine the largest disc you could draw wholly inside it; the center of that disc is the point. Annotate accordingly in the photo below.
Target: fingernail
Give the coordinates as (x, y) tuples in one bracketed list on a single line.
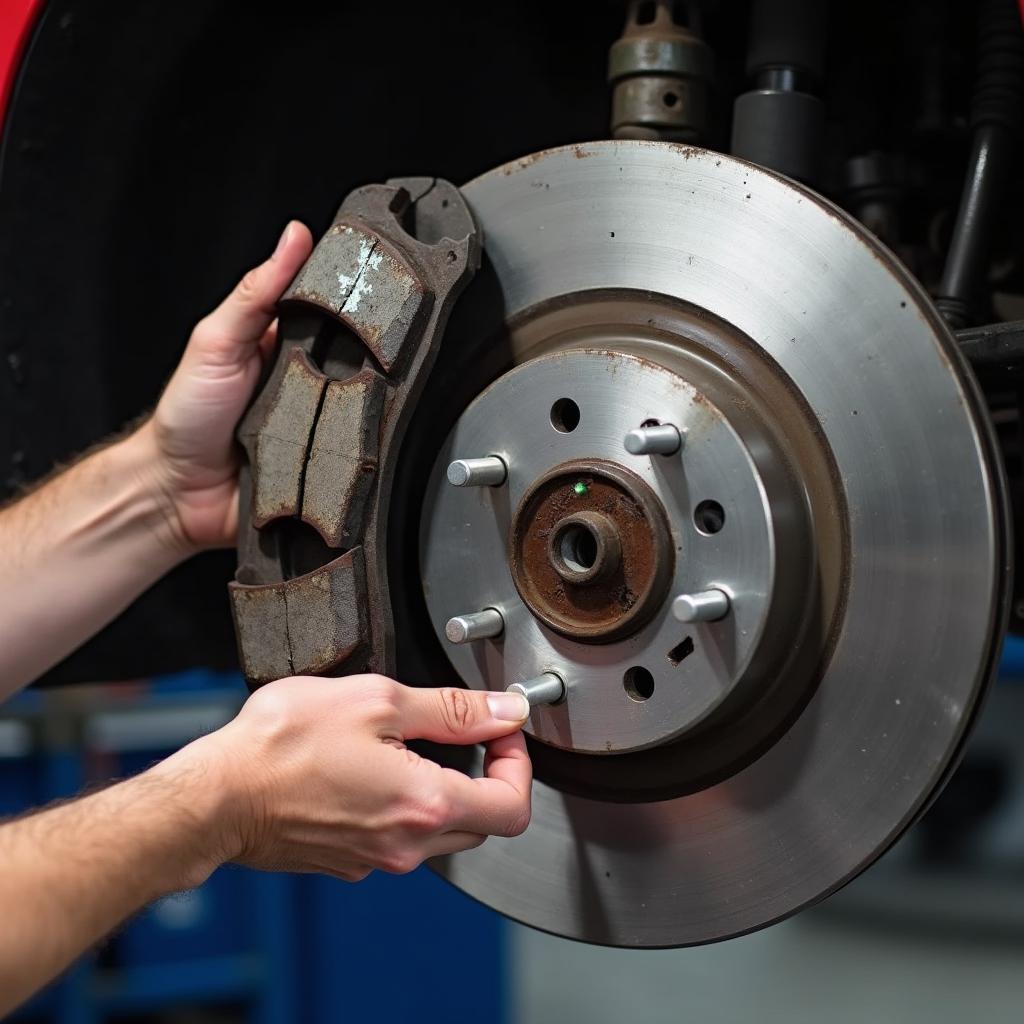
[(508, 707), (283, 240)]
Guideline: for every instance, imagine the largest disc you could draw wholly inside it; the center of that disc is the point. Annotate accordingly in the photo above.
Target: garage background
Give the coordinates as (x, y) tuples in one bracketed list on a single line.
[(150, 153)]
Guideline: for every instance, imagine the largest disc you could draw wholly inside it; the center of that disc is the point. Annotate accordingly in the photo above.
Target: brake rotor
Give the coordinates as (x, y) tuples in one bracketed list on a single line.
[(834, 481)]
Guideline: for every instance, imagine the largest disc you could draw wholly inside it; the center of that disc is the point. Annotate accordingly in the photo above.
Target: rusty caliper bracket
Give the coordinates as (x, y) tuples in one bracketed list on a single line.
[(360, 327)]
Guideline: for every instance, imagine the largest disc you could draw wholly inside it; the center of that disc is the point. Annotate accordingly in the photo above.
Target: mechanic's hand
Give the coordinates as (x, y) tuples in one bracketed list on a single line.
[(329, 785), (192, 430)]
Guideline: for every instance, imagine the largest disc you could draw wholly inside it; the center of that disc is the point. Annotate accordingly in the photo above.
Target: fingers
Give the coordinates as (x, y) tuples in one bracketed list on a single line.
[(239, 323), (454, 715), (452, 842), (499, 803), (353, 873), (441, 844)]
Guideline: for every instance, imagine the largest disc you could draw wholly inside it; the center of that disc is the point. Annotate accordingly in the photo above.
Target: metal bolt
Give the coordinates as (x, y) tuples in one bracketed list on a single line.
[(545, 689), (706, 606), (663, 439), (487, 472), (464, 629)]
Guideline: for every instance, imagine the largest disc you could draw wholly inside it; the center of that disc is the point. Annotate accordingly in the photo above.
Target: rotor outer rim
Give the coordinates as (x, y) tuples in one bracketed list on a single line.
[(993, 595)]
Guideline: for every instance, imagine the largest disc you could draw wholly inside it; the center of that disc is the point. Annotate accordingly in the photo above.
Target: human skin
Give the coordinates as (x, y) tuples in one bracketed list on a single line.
[(312, 775)]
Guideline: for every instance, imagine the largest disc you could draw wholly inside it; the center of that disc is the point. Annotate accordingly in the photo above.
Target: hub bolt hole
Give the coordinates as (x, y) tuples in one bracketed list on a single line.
[(638, 683), (709, 517), (565, 415)]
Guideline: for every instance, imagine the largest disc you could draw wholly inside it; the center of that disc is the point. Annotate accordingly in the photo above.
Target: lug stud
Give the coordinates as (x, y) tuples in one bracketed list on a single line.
[(546, 688), (485, 625), (706, 606), (660, 439), (486, 472)]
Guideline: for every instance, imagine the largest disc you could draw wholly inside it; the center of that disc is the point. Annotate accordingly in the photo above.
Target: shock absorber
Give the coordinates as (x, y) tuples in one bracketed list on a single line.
[(779, 123), (995, 120), (660, 71)]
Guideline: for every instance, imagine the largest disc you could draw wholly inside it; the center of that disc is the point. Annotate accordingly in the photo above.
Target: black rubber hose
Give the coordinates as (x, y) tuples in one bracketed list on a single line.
[(996, 121)]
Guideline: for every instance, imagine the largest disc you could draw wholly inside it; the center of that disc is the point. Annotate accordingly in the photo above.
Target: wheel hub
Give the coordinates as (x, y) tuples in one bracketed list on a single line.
[(591, 554), (834, 482), (602, 541)]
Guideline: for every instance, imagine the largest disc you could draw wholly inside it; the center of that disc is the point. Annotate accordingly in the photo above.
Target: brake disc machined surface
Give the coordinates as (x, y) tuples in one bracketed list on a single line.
[(833, 485), (698, 453)]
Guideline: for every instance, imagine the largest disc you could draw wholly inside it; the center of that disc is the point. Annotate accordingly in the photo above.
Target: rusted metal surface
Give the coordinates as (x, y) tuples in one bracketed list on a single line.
[(661, 72), (310, 624), (592, 554), (357, 277), (584, 547), (276, 433), (343, 458), (327, 614), (324, 436), (261, 624)]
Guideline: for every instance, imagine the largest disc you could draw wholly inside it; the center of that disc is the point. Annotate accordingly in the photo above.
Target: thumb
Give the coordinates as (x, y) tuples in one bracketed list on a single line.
[(454, 715), (236, 326)]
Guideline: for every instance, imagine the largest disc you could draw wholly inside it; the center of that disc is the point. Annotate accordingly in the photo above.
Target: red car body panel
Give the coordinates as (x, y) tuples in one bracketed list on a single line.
[(17, 17)]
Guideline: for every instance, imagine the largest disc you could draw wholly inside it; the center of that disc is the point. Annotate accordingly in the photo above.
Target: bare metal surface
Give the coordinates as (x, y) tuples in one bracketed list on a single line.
[(465, 629), (706, 606), (491, 548), (661, 439), (923, 584), (489, 471), (546, 688), (769, 417)]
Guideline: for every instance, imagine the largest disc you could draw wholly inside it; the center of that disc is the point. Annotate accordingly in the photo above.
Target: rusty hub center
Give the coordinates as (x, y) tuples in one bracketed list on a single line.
[(591, 552)]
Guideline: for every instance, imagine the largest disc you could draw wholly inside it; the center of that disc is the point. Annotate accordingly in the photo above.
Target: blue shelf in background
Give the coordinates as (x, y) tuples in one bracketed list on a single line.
[(211, 979), (1011, 668), (399, 949)]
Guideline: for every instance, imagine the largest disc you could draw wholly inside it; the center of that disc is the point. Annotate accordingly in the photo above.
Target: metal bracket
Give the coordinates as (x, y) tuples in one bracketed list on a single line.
[(360, 327)]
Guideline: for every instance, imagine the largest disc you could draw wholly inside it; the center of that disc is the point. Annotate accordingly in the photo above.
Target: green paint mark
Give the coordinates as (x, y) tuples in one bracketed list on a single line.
[(580, 487)]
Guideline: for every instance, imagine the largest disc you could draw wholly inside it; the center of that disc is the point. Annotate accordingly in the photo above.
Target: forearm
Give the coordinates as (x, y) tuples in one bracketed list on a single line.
[(76, 552), (70, 874)]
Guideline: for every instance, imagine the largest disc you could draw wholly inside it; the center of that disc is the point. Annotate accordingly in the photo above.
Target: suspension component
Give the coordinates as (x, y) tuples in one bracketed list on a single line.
[(660, 71), (780, 123)]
